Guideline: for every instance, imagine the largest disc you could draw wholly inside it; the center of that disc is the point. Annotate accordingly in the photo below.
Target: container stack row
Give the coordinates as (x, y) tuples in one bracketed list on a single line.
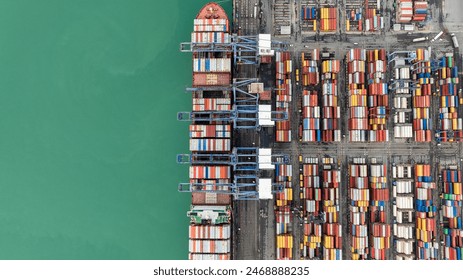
[(210, 37), (210, 138), (378, 99), (311, 197), (309, 16), (210, 25), (332, 229), (451, 213), (283, 215), (422, 95), (310, 68), (420, 10), (328, 19), (311, 126), (404, 11), (283, 174), (450, 123), (403, 211), (373, 19), (210, 242), (427, 248), (380, 229), (283, 94), (331, 111), (210, 69), (354, 15), (358, 110), (401, 89), (359, 197)]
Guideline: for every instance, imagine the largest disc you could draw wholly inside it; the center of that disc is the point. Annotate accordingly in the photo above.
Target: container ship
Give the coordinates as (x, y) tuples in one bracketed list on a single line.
[(210, 212)]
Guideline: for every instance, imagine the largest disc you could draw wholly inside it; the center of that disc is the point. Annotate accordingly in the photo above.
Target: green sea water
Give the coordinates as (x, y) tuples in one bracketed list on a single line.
[(89, 92)]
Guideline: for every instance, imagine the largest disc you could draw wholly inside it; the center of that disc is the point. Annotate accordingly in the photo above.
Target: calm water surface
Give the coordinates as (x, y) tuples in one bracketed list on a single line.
[(89, 92)]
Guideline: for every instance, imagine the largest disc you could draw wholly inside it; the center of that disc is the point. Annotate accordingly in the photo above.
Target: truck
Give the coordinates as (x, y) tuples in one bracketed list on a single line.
[(421, 39), (437, 36), (455, 41)]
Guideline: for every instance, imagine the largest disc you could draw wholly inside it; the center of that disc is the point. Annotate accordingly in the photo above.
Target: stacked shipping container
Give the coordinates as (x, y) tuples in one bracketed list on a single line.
[(354, 17), (311, 195), (311, 126), (373, 19), (358, 110), (426, 246), (328, 19), (403, 211), (283, 215), (309, 16), (210, 241), (450, 124), (420, 10), (331, 111), (359, 196), (404, 11), (401, 86), (380, 229), (210, 138), (332, 230), (451, 213), (422, 94), (310, 64), (283, 94), (378, 101)]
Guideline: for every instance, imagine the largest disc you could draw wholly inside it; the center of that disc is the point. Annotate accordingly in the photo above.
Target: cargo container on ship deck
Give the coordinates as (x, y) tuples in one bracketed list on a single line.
[(311, 197), (426, 232), (210, 214), (209, 233), (359, 197)]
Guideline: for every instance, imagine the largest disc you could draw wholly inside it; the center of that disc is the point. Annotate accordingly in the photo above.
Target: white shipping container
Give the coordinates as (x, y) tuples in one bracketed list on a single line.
[(404, 202)]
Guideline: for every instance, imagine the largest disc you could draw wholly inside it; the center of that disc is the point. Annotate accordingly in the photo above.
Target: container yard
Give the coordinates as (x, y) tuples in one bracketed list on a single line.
[(354, 15), (309, 16), (374, 21), (364, 98)]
